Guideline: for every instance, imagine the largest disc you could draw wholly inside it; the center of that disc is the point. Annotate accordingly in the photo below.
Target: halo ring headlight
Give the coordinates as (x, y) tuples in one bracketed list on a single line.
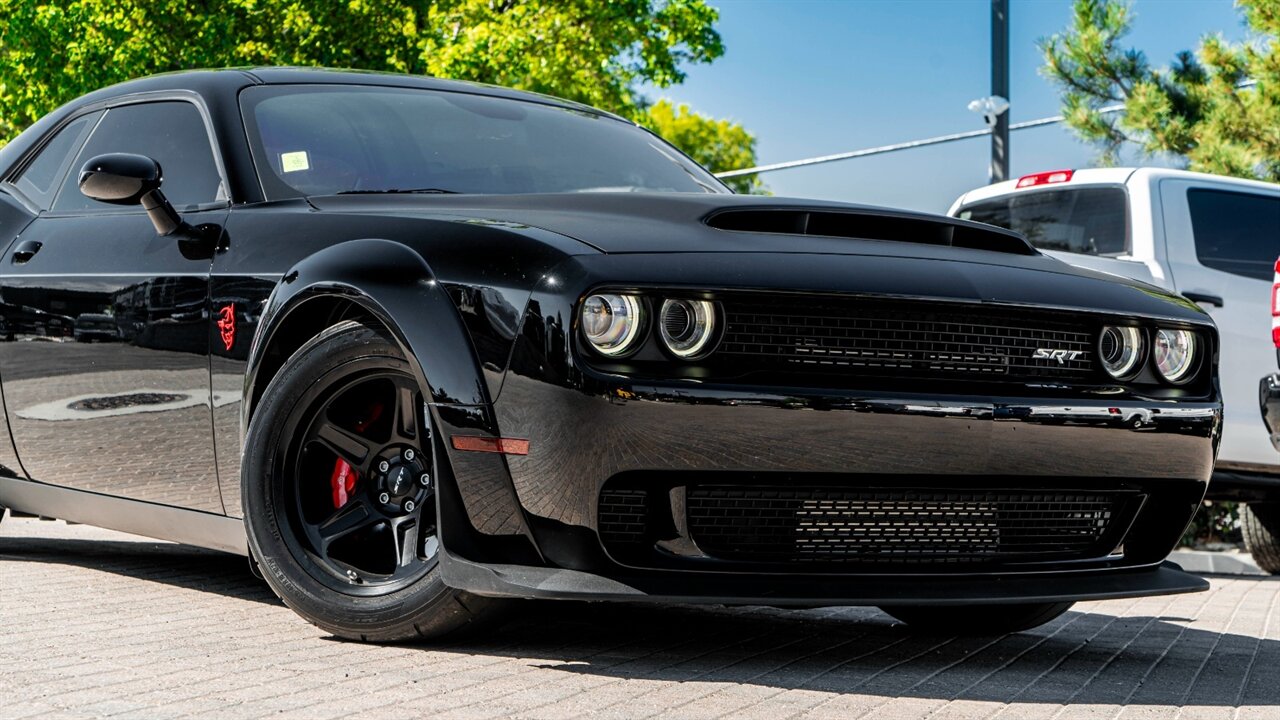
[(612, 323), (1174, 353), (687, 327), (1120, 348)]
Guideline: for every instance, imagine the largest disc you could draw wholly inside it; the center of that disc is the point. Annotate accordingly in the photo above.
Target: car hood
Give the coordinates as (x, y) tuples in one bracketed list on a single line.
[(706, 228), (679, 222)]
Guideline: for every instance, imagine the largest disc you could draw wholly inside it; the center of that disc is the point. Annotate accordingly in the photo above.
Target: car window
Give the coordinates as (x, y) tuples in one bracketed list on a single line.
[(40, 178), (1088, 221), (332, 139), (171, 133), (1236, 232)]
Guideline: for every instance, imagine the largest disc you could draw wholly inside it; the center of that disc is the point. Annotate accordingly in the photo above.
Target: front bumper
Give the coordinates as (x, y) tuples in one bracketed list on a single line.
[(529, 526)]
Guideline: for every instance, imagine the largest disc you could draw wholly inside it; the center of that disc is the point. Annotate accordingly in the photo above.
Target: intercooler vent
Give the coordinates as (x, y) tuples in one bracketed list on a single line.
[(623, 517), (866, 226), (849, 528), (826, 525)]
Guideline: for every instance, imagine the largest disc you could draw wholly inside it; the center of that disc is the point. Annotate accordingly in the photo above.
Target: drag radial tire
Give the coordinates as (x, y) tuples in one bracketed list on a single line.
[(978, 619), (339, 499), (1260, 523)]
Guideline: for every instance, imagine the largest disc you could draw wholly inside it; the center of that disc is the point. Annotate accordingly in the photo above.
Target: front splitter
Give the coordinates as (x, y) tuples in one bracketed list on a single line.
[(522, 581)]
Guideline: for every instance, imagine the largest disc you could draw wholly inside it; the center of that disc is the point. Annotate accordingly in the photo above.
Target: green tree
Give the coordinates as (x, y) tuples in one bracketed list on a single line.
[(599, 52), (1218, 107), (713, 143)]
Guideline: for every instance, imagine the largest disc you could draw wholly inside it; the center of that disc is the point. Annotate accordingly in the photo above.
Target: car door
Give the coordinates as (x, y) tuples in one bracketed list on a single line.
[(25, 191), (106, 375), (1222, 241)]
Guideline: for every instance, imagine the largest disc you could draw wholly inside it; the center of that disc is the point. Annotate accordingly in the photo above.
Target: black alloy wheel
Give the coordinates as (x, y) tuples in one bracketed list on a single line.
[(360, 481), (338, 490)]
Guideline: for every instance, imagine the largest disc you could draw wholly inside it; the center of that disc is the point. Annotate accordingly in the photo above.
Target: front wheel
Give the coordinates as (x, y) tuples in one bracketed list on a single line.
[(978, 619), (339, 494)]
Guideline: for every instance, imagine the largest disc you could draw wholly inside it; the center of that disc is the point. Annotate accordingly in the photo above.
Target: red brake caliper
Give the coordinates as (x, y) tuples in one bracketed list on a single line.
[(344, 477)]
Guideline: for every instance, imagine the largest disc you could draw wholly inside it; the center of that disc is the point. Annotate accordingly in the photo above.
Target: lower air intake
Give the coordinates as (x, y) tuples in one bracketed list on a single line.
[(833, 525)]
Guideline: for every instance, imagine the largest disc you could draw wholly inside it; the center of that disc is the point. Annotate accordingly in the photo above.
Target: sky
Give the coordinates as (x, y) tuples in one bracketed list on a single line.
[(815, 77)]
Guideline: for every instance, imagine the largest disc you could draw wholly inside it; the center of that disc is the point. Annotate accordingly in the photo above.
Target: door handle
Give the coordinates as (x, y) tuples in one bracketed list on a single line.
[(1206, 298), (26, 250)]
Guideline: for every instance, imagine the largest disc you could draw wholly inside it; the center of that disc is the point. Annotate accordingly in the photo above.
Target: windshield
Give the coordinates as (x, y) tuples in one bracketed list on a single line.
[(1089, 221), (327, 139)]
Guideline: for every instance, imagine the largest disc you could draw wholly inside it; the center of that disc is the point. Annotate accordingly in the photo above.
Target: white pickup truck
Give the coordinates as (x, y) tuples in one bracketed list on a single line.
[(1214, 240)]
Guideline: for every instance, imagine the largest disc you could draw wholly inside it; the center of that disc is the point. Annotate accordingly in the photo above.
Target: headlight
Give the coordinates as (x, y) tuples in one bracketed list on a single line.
[(612, 323), (687, 326), (1120, 349), (1175, 354)]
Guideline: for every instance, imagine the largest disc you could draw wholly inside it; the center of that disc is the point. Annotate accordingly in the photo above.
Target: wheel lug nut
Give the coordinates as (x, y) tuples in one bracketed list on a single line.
[(409, 454), (409, 506), (384, 466), (425, 480), (384, 498)]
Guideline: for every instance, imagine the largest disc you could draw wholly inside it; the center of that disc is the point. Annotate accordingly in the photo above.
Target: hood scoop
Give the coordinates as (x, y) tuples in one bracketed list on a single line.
[(870, 226)]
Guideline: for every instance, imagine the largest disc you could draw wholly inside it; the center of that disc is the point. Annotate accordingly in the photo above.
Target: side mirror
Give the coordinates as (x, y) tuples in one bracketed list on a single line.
[(120, 178), (125, 179)]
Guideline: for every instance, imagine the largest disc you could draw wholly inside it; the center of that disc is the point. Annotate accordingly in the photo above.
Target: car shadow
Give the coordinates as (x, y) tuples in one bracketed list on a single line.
[(1163, 661), (178, 565), (1123, 660)]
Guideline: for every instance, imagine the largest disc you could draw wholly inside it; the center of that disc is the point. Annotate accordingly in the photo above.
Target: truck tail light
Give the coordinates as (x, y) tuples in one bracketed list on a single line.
[(1275, 309), (1045, 178), (1275, 293)]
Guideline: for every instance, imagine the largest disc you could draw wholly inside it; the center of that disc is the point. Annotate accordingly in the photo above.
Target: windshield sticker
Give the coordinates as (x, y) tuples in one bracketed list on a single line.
[(294, 161)]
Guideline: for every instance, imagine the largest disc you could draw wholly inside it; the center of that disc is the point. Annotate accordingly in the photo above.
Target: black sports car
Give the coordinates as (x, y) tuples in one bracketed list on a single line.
[(417, 346)]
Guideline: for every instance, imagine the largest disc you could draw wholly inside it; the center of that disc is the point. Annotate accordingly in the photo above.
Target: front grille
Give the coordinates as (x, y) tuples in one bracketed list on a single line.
[(773, 524), (905, 339)]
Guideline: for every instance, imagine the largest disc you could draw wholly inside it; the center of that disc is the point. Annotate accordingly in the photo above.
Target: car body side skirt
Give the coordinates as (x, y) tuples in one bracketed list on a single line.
[(191, 527)]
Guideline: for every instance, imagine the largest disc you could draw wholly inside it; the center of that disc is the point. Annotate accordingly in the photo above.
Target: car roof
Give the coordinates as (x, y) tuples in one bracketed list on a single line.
[(235, 79), (221, 87), (1107, 176)]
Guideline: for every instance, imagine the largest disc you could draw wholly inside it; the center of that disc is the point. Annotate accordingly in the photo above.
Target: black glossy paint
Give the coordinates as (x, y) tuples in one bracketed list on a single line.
[(114, 438), (481, 293)]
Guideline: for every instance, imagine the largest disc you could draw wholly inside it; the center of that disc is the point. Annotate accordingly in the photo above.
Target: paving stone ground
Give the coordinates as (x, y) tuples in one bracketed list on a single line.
[(100, 624)]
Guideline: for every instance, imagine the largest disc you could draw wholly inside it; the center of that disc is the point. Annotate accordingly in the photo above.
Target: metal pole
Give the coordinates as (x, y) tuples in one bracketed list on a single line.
[(1000, 88)]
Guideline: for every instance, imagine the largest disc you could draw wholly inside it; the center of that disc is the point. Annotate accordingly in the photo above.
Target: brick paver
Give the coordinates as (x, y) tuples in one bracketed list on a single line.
[(100, 624)]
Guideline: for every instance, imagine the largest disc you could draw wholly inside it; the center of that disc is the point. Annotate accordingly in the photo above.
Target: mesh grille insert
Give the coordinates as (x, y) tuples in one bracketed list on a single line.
[(909, 339), (773, 524), (623, 516)]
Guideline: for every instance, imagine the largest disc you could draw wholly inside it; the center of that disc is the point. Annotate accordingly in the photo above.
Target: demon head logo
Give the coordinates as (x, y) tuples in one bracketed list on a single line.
[(227, 325)]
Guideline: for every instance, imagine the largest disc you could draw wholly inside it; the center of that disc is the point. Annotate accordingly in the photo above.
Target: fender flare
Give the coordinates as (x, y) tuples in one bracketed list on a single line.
[(391, 281)]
